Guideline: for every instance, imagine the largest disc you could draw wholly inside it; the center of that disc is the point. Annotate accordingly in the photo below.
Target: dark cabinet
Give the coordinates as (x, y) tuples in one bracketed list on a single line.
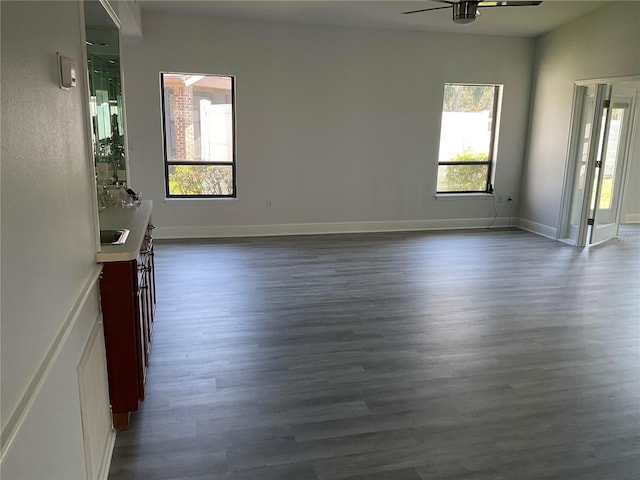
[(128, 297)]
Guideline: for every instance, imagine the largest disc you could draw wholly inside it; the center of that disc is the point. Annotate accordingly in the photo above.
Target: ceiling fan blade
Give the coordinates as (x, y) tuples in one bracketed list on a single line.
[(425, 10), (508, 4)]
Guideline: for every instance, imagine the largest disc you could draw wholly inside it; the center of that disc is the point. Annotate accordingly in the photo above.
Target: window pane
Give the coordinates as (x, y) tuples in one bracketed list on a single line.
[(466, 123), (200, 180), (611, 157), (466, 135), (198, 118), (462, 178)]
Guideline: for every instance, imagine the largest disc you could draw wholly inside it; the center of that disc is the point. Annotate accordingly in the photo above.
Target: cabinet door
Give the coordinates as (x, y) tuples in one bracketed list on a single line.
[(143, 331), (152, 270), (118, 287)]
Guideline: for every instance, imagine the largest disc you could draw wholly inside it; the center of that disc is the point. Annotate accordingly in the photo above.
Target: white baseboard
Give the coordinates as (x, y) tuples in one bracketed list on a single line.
[(631, 218), (537, 228), (221, 231)]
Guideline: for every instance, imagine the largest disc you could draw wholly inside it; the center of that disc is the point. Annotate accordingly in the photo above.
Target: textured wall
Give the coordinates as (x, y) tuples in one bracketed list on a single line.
[(334, 124), (603, 43), (48, 249)]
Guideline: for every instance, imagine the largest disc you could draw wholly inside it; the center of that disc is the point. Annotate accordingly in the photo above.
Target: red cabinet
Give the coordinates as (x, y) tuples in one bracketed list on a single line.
[(128, 297)]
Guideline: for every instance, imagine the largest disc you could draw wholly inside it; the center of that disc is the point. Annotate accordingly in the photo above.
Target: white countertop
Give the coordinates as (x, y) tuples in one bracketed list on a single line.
[(133, 218)]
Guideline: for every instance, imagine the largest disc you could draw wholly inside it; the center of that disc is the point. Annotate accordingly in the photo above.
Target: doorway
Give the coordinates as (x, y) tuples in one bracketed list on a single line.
[(601, 146)]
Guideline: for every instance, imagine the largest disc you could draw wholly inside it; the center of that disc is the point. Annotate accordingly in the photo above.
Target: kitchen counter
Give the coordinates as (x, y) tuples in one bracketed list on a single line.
[(128, 299), (135, 219)]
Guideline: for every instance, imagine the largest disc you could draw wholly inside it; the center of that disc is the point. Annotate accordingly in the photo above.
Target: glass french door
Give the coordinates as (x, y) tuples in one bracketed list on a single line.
[(589, 108), (607, 189), (601, 131)]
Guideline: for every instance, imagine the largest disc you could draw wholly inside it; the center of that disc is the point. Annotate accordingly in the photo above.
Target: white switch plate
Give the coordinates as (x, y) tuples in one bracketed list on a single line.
[(67, 72)]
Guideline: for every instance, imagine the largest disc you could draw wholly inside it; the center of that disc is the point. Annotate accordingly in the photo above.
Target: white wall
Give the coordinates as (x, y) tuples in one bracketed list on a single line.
[(337, 127), (631, 199), (603, 43), (49, 293)]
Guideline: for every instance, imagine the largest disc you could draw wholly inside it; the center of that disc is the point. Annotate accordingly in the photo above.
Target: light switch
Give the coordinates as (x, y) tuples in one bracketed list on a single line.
[(67, 69)]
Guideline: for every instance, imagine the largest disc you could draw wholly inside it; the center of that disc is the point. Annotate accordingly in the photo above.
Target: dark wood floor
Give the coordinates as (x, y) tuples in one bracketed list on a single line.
[(459, 355)]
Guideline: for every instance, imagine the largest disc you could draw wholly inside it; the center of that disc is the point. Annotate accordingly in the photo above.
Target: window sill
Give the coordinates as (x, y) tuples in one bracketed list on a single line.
[(198, 201), (463, 196)]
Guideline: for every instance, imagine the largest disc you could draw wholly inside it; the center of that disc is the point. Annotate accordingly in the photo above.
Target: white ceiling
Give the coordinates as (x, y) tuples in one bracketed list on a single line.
[(517, 21)]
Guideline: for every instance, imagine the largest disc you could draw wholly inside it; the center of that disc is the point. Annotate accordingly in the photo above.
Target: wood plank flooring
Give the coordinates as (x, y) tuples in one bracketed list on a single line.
[(402, 356)]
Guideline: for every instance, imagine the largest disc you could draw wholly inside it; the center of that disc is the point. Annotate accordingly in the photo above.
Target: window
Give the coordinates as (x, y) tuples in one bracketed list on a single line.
[(199, 137), (467, 138)]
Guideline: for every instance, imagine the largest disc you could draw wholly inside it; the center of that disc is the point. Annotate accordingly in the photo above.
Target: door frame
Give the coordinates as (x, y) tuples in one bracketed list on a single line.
[(571, 164)]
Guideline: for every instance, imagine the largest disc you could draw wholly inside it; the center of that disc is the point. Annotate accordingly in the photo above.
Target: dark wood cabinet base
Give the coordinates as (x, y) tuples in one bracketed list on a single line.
[(127, 291), (121, 420)]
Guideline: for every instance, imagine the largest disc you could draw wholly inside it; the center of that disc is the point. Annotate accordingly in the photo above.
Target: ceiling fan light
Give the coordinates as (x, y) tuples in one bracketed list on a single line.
[(464, 12)]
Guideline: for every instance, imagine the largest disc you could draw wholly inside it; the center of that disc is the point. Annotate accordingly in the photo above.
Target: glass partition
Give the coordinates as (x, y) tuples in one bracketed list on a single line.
[(105, 105), (105, 96)]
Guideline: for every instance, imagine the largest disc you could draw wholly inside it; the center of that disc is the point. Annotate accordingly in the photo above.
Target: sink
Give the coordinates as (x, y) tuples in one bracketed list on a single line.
[(114, 237)]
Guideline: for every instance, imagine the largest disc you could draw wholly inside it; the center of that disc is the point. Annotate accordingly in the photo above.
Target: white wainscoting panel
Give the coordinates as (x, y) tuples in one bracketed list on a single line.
[(98, 433), (46, 438)]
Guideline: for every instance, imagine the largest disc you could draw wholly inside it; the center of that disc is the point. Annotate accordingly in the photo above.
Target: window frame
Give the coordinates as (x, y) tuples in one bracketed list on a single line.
[(168, 163), (491, 160)]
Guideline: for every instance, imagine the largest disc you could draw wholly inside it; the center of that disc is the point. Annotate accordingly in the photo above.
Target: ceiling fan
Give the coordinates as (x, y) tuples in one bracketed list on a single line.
[(465, 11)]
